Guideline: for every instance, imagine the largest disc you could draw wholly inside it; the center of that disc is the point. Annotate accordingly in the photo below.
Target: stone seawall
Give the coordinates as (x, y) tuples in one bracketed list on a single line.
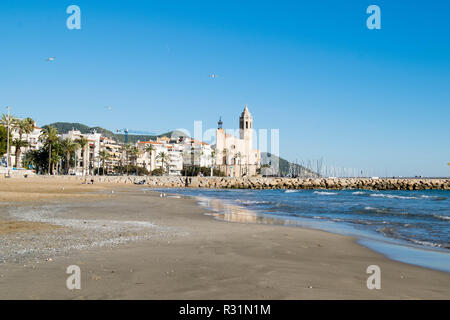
[(273, 183)]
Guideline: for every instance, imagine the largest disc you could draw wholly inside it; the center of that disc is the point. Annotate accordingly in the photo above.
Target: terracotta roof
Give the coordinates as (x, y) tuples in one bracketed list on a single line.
[(202, 142), (151, 142)]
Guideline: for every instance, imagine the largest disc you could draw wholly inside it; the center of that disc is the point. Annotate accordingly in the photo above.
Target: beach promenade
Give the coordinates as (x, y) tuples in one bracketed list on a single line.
[(132, 243)]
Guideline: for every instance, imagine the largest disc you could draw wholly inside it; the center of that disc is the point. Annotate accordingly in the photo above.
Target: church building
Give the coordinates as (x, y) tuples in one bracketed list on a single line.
[(234, 156)]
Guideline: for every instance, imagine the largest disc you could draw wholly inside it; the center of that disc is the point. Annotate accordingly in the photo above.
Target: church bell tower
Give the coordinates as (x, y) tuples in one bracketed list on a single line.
[(246, 131)]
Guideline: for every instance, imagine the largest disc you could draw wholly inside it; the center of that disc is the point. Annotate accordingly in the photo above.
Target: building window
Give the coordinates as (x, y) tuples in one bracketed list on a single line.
[(246, 124)]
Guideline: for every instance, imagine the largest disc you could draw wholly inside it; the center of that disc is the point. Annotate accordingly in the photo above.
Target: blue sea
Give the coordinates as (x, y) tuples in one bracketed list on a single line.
[(408, 226)]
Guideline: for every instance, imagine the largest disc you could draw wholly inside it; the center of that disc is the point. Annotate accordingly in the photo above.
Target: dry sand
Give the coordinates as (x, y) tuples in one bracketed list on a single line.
[(171, 250)]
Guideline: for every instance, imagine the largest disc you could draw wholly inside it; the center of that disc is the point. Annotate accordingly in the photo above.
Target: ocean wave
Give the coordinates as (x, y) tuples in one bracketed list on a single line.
[(437, 198), (381, 210), (446, 218), (326, 193), (391, 196), (426, 243), (388, 231), (392, 212), (291, 191), (250, 202), (358, 192)]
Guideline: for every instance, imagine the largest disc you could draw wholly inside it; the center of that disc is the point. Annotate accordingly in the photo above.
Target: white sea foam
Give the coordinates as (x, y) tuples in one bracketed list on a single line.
[(383, 210), (253, 202), (391, 196), (291, 191), (446, 218), (426, 243), (325, 193), (358, 192)]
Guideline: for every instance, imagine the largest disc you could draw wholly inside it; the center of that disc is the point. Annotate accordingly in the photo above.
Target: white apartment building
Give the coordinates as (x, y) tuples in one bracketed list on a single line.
[(87, 159), (173, 161), (197, 153)]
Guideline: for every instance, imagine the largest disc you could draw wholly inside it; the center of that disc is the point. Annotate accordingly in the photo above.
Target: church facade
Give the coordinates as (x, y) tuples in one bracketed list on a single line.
[(235, 157)]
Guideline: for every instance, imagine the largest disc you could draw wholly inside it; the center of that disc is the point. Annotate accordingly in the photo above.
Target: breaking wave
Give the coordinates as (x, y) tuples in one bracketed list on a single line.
[(391, 196), (326, 193)]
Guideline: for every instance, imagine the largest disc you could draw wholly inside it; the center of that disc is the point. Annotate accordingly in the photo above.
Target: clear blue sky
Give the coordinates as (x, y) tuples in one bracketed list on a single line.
[(371, 99)]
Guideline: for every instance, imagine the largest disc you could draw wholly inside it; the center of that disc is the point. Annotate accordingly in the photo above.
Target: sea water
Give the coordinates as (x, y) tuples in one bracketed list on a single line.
[(408, 226)]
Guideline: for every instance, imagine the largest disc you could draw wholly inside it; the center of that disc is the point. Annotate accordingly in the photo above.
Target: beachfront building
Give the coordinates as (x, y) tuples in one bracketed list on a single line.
[(88, 157), (197, 153), (148, 152), (110, 154), (235, 156), (164, 153)]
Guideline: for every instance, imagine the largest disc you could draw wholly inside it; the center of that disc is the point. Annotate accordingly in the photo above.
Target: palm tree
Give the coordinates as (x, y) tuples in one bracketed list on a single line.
[(11, 122), (150, 148), (163, 157), (186, 157), (104, 155), (82, 142), (193, 159), (8, 119), (225, 154), (128, 150), (212, 157), (31, 158), (25, 126), (18, 144), (49, 137), (69, 147), (239, 157), (135, 152)]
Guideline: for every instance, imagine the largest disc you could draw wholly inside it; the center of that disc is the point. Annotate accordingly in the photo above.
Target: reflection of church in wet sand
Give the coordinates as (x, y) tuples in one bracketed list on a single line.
[(236, 157)]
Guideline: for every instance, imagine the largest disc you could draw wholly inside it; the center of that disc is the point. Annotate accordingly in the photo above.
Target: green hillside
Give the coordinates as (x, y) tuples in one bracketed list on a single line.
[(64, 127)]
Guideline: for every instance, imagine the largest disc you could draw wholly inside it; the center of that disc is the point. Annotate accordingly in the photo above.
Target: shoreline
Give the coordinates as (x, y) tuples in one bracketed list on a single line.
[(392, 249), (206, 258)]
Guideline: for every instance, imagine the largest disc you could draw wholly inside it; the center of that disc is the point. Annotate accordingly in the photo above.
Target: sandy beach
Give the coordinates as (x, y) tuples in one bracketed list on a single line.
[(132, 243)]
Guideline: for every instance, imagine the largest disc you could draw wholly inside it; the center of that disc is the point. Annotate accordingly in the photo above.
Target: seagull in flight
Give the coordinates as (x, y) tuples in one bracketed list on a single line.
[(213, 76), (50, 59)]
